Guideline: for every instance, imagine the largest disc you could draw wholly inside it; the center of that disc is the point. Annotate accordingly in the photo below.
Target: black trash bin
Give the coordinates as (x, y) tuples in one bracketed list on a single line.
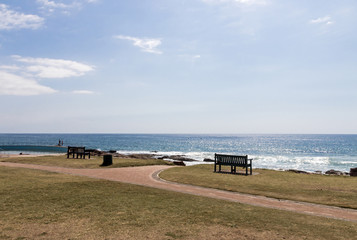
[(107, 160), (353, 172)]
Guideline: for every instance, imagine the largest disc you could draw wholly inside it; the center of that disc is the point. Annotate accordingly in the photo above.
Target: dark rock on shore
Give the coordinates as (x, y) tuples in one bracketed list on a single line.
[(141, 156), (181, 158), (177, 157), (95, 152), (297, 171), (208, 160), (102, 153), (179, 163), (329, 172), (115, 154), (335, 172)]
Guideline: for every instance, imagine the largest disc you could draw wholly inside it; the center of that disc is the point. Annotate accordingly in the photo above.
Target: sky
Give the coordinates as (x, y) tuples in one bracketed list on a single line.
[(178, 66)]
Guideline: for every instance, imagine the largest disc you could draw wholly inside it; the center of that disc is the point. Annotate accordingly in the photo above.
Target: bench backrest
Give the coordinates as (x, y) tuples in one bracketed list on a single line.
[(75, 149), (231, 159), (80, 150)]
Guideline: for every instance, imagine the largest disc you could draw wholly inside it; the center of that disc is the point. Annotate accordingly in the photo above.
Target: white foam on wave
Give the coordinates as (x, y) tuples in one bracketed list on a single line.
[(304, 163), (348, 162)]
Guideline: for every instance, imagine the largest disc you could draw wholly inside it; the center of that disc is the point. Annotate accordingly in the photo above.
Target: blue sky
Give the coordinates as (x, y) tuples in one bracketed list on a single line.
[(178, 66)]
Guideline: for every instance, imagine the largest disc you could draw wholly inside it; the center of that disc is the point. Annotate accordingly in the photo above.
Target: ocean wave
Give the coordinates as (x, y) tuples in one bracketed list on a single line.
[(277, 162)]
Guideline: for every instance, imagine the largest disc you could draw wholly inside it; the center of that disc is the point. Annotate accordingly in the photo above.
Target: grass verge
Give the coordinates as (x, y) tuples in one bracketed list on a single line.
[(338, 191), (93, 162), (40, 205)]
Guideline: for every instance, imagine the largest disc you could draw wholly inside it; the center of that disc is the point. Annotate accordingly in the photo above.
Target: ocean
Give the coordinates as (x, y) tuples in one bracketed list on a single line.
[(302, 152)]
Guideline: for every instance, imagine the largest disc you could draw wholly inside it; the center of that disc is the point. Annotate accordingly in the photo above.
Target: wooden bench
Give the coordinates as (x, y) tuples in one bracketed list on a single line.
[(233, 161), (80, 152)]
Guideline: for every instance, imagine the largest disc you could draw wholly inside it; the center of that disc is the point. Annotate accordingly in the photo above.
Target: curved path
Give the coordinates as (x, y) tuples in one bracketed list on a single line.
[(148, 176)]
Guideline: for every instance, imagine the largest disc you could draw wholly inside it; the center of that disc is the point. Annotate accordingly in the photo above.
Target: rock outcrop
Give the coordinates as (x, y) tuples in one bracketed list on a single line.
[(335, 172), (297, 171)]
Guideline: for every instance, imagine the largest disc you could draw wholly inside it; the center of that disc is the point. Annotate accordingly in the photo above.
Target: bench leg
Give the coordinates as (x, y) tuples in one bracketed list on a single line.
[(246, 170)]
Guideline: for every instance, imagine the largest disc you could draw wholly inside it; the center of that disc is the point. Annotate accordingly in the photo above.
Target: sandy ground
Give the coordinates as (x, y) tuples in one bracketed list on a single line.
[(149, 176)]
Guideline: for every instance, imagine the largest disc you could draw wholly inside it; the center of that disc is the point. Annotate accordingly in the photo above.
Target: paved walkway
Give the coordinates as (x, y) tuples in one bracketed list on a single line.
[(148, 176)]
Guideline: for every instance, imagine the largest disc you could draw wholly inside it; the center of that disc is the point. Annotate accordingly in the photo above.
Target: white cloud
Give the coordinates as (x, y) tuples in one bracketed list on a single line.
[(10, 19), (146, 44), (10, 67), (82, 92), (11, 84), (245, 2), (323, 20), (23, 77), (51, 6), (53, 68)]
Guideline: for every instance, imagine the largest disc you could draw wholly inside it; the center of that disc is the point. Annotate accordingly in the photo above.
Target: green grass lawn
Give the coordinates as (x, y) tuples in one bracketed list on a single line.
[(41, 205), (93, 162), (330, 190)]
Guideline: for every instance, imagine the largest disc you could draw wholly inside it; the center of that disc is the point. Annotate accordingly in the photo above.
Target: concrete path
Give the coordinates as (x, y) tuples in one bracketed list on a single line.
[(149, 176)]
